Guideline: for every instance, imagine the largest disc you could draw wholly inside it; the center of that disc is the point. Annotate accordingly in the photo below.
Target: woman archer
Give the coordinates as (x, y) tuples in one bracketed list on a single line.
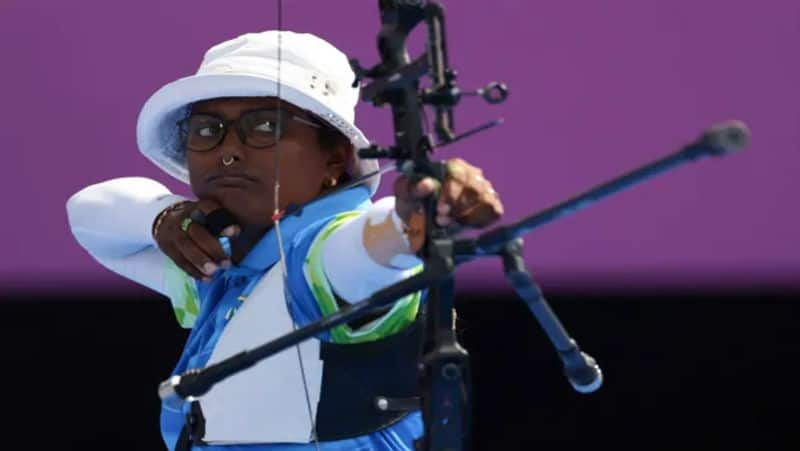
[(264, 109)]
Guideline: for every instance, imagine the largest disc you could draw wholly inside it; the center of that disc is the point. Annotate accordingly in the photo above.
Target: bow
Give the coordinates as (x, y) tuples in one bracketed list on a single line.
[(395, 82), (444, 376)]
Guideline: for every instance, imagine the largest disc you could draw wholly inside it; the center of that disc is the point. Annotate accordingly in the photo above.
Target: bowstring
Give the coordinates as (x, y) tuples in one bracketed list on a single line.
[(276, 217)]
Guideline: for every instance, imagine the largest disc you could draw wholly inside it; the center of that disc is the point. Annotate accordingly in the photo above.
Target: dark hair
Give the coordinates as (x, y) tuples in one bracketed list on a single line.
[(330, 138)]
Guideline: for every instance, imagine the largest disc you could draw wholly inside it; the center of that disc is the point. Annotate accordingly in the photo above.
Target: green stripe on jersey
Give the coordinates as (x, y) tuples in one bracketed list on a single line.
[(402, 313), (182, 292)]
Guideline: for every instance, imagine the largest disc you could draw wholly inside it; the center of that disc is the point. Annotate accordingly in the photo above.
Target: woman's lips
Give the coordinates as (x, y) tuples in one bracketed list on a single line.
[(231, 180)]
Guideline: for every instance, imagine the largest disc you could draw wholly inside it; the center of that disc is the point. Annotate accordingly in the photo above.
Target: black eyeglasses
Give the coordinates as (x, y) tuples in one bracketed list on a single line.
[(256, 128)]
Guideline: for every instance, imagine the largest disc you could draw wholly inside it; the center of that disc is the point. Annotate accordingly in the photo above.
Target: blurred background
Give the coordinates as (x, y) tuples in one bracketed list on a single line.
[(684, 288)]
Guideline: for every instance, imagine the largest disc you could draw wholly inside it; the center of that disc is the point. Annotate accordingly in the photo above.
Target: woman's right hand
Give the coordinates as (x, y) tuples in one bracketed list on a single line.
[(195, 250)]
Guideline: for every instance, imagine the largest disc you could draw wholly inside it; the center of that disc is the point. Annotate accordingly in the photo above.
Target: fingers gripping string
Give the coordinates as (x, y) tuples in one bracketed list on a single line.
[(277, 215)]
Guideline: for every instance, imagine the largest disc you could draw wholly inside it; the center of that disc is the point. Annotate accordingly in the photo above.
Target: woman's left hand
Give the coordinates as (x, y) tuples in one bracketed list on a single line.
[(466, 198)]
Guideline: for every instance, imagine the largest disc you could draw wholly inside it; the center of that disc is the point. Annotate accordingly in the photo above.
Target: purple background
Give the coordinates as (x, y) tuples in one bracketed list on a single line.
[(597, 88)]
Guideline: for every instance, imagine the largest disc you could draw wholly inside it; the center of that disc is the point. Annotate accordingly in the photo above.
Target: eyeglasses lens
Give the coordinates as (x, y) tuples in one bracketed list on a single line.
[(257, 128), (203, 132), (260, 127)]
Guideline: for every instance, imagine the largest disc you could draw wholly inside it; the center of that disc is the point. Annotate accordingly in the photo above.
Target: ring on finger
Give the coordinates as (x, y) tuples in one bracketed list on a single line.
[(185, 223)]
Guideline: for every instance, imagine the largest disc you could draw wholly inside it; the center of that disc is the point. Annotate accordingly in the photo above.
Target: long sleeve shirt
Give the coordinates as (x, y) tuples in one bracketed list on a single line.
[(326, 260)]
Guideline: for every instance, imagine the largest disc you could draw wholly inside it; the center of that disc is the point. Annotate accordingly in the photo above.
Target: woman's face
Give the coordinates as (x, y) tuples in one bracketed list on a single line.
[(246, 186)]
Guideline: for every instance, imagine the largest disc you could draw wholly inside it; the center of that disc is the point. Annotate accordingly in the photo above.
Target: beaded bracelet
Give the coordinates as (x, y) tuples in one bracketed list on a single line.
[(163, 214)]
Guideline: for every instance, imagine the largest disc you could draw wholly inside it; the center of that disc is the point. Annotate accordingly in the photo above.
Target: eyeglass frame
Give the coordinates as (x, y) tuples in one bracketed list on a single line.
[(226, 123)]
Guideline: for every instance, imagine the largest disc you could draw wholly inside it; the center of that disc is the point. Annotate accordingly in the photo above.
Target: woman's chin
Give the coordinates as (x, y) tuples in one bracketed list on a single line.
[(243, 204)]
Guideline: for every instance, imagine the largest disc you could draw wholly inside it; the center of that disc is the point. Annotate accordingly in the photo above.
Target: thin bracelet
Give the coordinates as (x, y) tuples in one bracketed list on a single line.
[(163, 214)]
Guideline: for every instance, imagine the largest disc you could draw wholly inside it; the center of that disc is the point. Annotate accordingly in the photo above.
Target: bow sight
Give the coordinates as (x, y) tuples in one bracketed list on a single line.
[(395, 81)]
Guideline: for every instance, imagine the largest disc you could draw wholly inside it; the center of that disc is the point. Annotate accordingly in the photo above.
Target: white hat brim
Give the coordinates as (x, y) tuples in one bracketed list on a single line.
[(157, 132)]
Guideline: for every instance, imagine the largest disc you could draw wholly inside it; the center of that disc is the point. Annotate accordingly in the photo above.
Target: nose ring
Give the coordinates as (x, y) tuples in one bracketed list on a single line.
[(227, 160)]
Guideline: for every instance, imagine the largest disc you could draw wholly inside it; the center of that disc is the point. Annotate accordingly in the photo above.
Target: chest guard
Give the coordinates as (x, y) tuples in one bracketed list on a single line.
[(365, 387), (369, 386)]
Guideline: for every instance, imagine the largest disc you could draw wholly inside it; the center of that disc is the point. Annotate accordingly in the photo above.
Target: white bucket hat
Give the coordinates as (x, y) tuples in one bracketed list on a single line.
[(314, 76)]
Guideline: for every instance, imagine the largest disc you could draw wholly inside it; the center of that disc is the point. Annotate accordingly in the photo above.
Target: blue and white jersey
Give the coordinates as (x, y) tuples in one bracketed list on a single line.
[(267, 406), (308, 297)]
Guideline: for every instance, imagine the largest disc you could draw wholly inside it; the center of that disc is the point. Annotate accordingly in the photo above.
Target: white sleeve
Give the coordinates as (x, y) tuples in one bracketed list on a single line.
[(113, 221), (349, 256)]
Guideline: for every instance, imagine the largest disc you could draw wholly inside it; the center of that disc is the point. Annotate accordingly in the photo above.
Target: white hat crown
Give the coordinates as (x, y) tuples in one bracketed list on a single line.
[(306, 62)]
